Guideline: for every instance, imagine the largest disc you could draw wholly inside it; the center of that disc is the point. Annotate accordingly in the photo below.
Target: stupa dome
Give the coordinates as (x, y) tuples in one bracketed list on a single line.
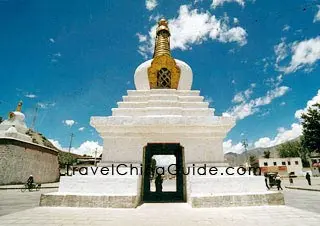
[(141, 80), (18, 116)]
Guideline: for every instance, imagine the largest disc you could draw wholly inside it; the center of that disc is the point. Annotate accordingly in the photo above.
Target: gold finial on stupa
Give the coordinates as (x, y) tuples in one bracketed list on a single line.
[(163, 73), (19, 106), (162, 45)]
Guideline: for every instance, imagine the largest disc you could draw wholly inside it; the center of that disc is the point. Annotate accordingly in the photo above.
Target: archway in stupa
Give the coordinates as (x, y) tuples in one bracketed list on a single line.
[(170, 175)]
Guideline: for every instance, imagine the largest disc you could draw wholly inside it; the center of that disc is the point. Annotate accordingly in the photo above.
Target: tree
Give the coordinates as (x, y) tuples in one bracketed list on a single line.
[(252, 159), (289, 149), (1, 119), (65, 159), (266, 154), (311, 128), (293, 149)]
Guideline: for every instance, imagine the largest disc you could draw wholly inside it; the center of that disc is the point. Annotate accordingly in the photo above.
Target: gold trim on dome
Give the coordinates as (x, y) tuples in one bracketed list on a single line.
[(163, 60)]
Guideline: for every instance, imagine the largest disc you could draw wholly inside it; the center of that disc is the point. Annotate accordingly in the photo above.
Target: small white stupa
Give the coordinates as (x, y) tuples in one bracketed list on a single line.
[(15, 126), (163, 116)]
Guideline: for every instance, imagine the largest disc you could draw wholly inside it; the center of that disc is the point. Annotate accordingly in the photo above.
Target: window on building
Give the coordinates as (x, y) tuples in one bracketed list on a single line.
[(274, 163), (283, 163), (265, 164), (289, 163), (296, 162)]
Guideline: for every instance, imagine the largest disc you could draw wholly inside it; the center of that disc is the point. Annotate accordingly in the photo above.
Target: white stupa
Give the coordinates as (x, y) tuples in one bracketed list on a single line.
[(15, 126), (163, 116)]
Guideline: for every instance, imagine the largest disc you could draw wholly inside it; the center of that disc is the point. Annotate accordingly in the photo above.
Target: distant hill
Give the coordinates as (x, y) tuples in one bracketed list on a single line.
[(235, 159)]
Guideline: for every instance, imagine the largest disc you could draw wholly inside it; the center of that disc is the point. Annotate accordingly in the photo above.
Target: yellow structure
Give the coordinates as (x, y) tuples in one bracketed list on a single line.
[(163, 72)]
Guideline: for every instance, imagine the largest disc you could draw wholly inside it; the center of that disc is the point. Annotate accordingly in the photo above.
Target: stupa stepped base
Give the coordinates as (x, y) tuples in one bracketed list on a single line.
[(106, 201), (86, 200), (237, 199), (202, 191)]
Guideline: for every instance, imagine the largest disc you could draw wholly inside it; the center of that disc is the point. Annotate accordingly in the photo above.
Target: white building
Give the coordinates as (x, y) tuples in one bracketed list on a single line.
[(315, 165), (283, 166)]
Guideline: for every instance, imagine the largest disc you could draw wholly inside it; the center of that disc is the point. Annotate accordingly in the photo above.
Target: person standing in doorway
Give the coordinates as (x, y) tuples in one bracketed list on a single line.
[(278, 182), (158, 183), (308, 177)]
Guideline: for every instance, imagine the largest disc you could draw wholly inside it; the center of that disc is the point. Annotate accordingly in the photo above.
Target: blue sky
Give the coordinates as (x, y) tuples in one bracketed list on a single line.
[(254, 60)]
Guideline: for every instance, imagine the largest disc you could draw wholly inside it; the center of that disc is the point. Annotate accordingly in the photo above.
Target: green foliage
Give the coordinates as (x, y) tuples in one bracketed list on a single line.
[(66, 158), (252, 159), (1, 119), (266, 154), (311, 129), (289, 149), (294, 149)]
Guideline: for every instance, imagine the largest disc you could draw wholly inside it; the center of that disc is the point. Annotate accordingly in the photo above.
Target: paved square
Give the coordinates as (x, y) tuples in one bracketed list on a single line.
[(302, 209), (163, 214)]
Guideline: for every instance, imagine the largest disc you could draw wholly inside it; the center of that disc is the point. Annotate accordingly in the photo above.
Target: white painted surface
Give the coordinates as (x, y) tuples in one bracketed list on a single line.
[(295, 164), (15, 127), (162, 116), (111, 184)]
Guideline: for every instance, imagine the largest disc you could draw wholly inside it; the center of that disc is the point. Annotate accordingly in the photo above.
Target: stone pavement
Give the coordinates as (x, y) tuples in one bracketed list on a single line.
[(14, 200), (17, 208), (302, 199), (302, 184), (163, 214)]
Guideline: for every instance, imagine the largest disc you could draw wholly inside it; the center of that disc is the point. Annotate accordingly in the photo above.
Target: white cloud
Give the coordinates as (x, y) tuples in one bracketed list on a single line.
[(282, 136), (243, 96), (216, 3), (286, 27), (56, 144), (317, 16), (229, 147), (194, 27), (235, 20), (245, 109), (208, 99), (58, 54), (81, 128), (304, 54), (30, 95), (315, 99), (52, 40), (69, 122), (275, 82), (151, 4), (45, 105), (281, 50), (87, 147), (142, 38)]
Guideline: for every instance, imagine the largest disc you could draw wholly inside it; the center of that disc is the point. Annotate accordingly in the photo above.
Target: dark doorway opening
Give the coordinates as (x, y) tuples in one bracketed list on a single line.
[(173, 171)]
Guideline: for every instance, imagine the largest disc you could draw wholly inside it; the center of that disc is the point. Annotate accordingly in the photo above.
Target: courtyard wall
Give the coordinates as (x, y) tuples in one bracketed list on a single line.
[(20, 159)]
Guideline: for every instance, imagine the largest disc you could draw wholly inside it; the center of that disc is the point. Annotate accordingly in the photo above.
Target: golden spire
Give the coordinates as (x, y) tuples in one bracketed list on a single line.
[(163, 73), (19, 106), (162, 45)]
